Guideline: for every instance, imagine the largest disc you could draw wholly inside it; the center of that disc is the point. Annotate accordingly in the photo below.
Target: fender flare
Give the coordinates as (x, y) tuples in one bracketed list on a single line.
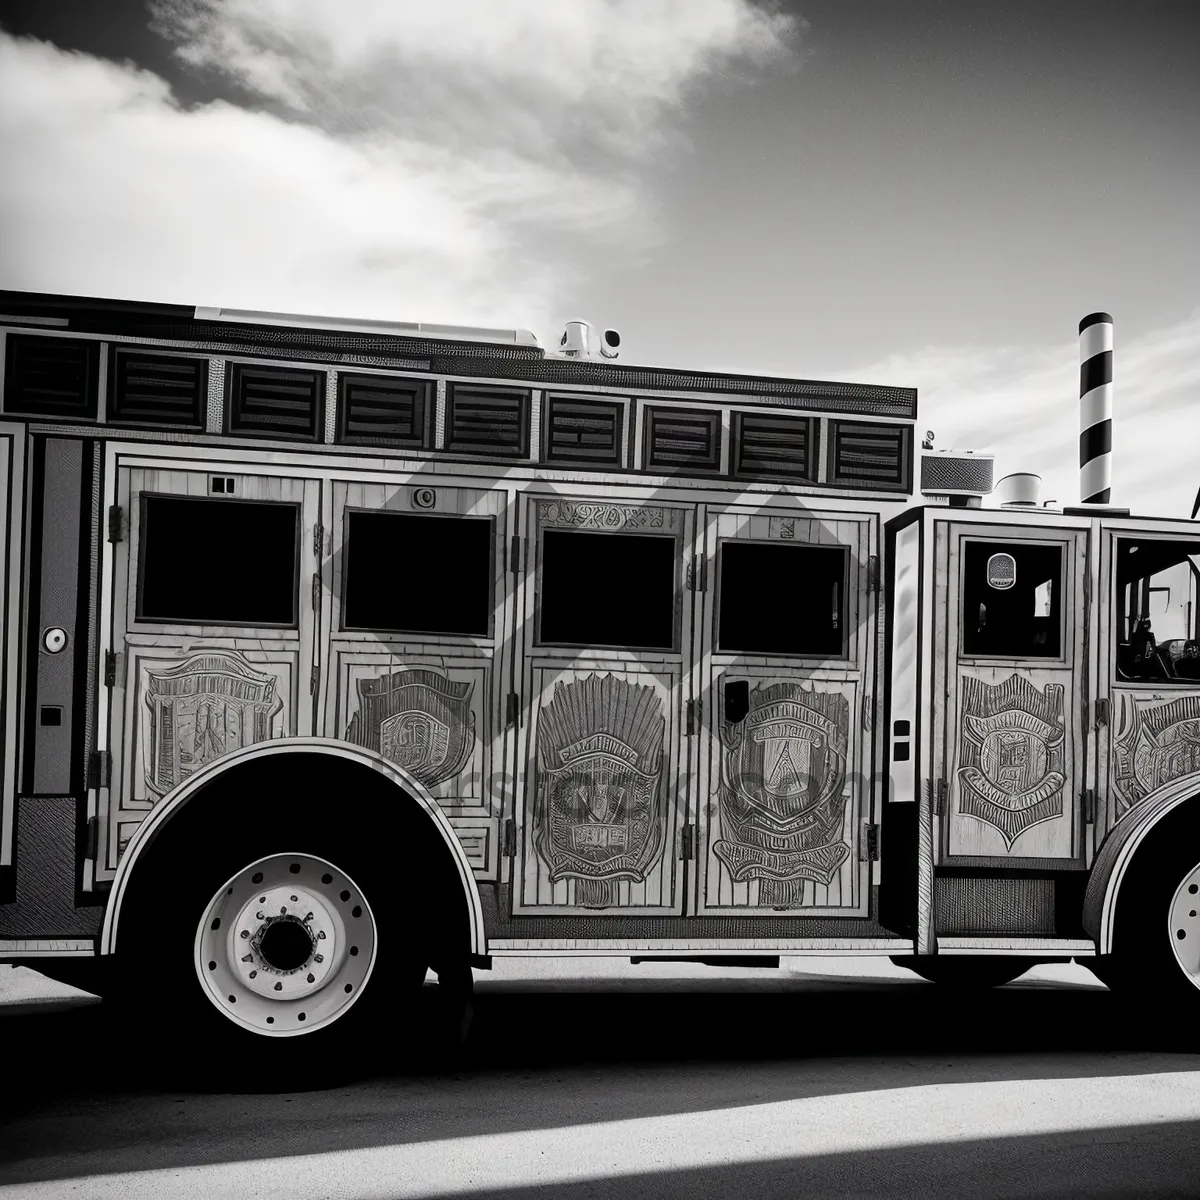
[(175, 800), (1117, 852)]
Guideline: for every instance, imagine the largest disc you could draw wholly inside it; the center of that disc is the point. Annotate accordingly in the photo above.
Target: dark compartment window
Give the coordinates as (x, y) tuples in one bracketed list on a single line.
[(1158, 610), (607, 589), (418, 574), (217, 562), (1012, 600), (781, 599)]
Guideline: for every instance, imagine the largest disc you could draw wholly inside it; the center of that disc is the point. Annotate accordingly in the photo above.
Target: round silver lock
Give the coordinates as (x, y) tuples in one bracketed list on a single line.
[(54, 640), (424, 497)]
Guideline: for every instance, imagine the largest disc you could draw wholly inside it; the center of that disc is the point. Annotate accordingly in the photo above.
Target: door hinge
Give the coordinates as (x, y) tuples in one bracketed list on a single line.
[(939, 797), (99, 772), (514, 555), (873, 573), (110, 668), (318, 540), (697, 575), (114, 522), (687, 843), (509, 849), (869, 846), (691, 714), (512, 711), (1088, 799), (314, 679), (92, 842), (1101, 711)]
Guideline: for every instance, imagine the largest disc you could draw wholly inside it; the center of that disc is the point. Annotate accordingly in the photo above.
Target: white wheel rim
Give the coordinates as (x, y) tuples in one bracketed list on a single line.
[(1185, 925), (286, 946)]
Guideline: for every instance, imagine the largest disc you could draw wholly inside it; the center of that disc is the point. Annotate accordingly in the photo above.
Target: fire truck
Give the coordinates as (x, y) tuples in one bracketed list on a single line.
[(339, 652)]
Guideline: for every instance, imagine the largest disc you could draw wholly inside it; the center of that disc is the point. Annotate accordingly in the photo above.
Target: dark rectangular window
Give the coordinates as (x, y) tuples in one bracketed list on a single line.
[(774, 446), (410, 573), (156, 389), (1158, 610), (586, 432), (776, 598), (607, 589), (870, 456), (275, 402), (493, 421), (1012, 600), (381, 408), (51, 377), (218, 562), (680, 440)]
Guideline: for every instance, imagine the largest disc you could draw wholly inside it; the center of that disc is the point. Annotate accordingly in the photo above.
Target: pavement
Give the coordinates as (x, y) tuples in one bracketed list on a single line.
[(838, 1077)]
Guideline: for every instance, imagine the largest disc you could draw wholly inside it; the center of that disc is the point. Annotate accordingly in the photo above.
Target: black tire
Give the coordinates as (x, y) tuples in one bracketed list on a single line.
[(966, 972), (1155, 955), (391, 1022)]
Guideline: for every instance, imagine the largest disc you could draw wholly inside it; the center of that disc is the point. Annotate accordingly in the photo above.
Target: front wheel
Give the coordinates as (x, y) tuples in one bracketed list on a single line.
[(1156, 942)]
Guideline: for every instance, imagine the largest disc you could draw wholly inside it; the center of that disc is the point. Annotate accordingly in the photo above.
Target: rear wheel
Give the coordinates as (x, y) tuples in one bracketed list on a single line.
[(300, 962), (966, 971), (286, 946)]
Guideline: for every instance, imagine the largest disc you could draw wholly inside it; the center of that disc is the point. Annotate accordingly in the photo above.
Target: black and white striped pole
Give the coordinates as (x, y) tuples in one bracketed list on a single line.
[(1095, 408)]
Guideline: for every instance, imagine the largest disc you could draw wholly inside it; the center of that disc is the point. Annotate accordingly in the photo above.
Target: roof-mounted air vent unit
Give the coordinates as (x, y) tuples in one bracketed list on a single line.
[(958, 478)]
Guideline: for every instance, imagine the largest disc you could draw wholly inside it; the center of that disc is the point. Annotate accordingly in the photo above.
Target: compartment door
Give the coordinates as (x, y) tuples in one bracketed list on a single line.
[(1014, 678), (213, 598), (784, 749), (606, 641), (418, 658)]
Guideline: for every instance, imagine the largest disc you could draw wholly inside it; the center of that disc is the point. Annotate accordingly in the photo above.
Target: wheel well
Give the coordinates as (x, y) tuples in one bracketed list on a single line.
[(1178, 827), (300, 792)]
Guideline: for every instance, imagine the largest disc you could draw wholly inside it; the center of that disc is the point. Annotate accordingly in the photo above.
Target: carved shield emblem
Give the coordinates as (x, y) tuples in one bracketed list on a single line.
[(1012, 753), (211, 704), (781, 794), (417, 719), (1157, 743), (599, 814)]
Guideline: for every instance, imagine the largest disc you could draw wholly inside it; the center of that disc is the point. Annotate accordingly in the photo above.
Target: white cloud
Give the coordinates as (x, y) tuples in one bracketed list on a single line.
[(1022, 404), (446, 161)]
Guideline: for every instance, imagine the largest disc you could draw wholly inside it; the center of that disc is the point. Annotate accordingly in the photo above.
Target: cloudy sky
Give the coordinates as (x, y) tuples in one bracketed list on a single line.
[(926, 193)]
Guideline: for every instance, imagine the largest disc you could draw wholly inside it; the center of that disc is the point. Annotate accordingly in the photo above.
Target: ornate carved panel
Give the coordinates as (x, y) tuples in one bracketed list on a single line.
[(201, 709), (417, 719), (597, 514), (599, 815), (1156, 741), (781, 794), (1011, 750), (431, 716)]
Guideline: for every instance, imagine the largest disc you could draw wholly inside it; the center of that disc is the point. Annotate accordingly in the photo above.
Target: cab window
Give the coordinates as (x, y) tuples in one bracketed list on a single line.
[(1158, 582), (1012, 600)]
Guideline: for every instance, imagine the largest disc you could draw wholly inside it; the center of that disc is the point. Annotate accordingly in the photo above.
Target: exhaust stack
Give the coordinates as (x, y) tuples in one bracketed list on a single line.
[(1095, 408)]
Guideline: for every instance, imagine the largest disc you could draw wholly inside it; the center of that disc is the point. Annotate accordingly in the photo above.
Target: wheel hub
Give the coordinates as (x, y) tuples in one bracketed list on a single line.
[(1185, 925), (286, 946)]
